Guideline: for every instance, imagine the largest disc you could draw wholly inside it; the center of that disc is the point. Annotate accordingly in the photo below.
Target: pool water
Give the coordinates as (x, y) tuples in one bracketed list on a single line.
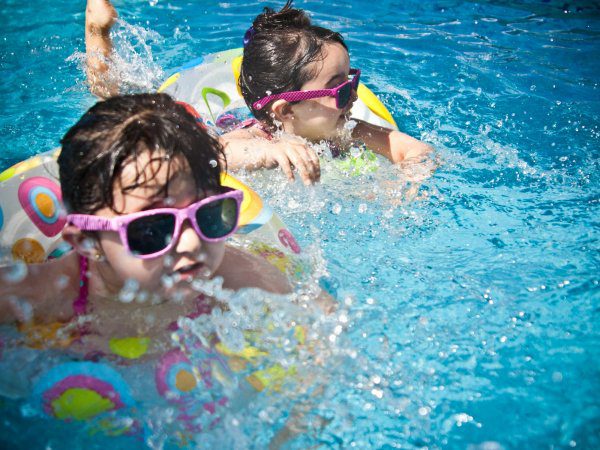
[(469, 290)]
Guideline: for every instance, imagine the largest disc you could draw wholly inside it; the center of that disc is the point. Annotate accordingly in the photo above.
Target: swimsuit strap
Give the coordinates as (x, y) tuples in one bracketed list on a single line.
[(80, 303), (203, 306)]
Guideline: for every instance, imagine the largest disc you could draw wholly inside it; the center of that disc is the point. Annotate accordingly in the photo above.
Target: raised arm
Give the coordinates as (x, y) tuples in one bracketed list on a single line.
[(394, 145), (100, 15)]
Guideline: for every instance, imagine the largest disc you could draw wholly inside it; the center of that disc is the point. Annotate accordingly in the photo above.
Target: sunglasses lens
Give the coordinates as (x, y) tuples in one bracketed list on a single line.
[(150, 234), (344, 95), (217, 219)]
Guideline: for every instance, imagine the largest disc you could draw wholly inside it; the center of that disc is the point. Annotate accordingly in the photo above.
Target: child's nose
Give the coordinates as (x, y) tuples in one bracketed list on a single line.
[(189, 241)]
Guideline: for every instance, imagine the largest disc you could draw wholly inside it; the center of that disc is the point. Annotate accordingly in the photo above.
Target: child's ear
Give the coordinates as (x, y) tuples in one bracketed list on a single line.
[(282, 110), (81, 242)]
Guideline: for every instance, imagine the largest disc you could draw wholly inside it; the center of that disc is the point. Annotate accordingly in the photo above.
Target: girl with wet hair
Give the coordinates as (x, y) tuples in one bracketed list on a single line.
[(145, 208), (147, 218), (296, 77), (298, 84)]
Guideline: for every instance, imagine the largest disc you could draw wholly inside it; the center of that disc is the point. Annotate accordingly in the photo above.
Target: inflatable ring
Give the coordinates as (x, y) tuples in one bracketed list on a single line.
[(81, 391), (32, 217), (210, 84)]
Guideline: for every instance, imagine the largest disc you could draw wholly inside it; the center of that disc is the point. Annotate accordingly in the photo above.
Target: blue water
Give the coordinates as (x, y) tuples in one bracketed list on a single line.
[(472, 296)]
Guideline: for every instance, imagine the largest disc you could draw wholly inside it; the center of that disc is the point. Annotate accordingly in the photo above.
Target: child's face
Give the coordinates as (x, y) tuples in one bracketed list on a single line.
[(319, 119), (190, 257)]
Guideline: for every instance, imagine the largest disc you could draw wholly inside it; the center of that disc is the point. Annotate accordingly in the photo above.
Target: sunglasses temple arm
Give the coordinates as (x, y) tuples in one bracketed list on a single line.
[(93, 223), (294, 96)]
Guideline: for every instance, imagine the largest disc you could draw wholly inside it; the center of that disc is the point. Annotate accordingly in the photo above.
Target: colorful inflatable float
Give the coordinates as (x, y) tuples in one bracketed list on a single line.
[(210, 85)]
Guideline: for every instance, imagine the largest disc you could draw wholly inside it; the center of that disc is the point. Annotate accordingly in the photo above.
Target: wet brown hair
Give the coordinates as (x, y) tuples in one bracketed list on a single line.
[(115, 131), (278, 50)]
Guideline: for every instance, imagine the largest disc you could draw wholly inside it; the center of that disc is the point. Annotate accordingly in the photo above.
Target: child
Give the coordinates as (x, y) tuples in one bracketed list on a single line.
[(147, 219), (147, 215), (296, 77), (283, 55)]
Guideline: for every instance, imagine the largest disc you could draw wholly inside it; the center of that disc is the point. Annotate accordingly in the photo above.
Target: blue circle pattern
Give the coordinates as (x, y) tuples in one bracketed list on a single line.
[(44, 190)]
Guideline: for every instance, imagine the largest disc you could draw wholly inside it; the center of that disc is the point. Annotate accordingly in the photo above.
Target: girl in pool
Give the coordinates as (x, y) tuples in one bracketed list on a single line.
[(147, 215), (296, 79)]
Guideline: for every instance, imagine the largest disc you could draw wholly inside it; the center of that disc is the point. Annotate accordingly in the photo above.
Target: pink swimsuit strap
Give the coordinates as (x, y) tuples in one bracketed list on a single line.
[(80, 303)]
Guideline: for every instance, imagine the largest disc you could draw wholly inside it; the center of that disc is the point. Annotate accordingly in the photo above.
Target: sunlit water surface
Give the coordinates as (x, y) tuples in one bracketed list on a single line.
[(468, 299)]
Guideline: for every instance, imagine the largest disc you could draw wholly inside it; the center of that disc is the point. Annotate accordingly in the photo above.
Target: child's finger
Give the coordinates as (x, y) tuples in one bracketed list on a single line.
[(286, 166), (315, 163), (305, 155), (299, 160)]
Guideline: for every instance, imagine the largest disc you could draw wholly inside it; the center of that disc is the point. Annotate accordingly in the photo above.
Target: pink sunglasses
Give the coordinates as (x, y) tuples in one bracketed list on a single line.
[(152, 233), (342, 93)]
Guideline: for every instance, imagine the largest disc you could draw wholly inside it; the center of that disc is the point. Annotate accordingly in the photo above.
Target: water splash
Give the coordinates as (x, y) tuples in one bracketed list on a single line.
[(132, 65)]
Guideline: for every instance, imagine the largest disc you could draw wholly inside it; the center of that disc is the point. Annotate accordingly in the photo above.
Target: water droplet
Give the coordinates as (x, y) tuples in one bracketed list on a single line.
[(129, 291), (377, 393), (23, 309), (62, 282), (557, 377), (350, 125), (15, 273)]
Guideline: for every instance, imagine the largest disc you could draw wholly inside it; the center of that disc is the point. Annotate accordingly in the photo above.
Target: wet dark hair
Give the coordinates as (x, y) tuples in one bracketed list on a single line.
[(280, 46), (115, 131)]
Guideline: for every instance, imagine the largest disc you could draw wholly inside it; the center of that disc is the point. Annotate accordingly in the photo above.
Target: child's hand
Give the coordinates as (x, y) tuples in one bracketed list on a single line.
[(100, 15), (245, 150), (293, 155)]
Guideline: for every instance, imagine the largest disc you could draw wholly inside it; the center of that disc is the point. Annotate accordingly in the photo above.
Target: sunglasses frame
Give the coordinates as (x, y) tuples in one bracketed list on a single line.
[(88, 222), (296, 96)]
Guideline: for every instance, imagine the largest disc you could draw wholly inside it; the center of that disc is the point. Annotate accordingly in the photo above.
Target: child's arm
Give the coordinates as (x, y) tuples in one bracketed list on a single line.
[(100, 15), (246, 150), (392, 144)]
